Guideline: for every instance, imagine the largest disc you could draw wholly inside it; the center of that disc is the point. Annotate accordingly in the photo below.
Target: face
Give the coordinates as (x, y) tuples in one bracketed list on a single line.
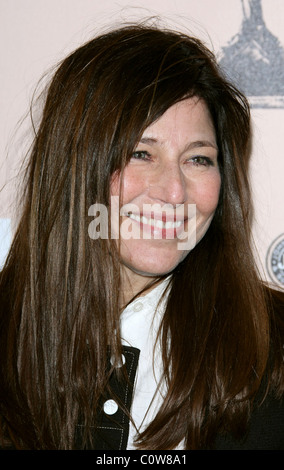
[(174, 168)]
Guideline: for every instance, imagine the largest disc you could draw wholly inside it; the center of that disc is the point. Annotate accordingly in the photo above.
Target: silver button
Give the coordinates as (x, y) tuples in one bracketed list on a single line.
[(120, 362), (110, 407), (138, 307)]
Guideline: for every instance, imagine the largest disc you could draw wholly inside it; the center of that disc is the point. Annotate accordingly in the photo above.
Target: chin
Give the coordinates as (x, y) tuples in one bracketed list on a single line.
[(153, 269)]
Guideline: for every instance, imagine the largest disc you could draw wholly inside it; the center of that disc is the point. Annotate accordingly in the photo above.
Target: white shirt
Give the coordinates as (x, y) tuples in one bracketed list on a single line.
[(140, 322)]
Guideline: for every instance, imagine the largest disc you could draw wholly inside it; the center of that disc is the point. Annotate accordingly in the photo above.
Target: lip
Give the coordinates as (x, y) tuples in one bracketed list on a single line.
[(162, 216), (159, 225)]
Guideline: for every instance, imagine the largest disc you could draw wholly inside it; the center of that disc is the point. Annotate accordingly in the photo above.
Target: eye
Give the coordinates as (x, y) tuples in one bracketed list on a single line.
[(141, 155), (200, 160)]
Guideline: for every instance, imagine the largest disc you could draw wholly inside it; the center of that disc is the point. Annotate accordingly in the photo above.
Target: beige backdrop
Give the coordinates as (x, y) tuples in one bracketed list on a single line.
[(36, 34)]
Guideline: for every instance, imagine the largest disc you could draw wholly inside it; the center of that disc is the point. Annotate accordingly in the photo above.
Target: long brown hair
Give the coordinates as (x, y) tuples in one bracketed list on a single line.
[(59, 305)]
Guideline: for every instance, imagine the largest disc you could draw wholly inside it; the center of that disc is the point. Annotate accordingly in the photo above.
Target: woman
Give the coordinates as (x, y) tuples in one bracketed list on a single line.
[(132, 322)]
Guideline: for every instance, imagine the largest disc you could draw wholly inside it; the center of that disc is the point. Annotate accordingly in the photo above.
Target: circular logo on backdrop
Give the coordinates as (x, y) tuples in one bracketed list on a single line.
[(275, 260)]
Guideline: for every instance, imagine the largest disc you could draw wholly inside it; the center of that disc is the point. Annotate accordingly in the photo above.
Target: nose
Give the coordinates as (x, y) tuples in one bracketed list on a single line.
[(169, 185)]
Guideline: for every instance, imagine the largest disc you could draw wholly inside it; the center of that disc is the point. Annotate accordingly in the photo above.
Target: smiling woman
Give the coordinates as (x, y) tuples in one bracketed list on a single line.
[(173, 166), (131, 339)]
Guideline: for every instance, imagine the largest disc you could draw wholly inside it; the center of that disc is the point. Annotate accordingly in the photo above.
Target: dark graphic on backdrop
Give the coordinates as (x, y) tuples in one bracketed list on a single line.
[(254, 59)]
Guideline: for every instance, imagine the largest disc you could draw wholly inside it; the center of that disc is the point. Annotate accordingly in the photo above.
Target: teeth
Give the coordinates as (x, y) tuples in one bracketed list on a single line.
[(155, 223)]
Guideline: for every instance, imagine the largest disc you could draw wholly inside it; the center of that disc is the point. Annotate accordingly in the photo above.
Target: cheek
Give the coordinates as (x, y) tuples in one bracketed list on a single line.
[(207, 196), (129, 186)]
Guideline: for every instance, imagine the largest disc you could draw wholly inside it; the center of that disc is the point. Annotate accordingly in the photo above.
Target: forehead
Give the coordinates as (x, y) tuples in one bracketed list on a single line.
[(188, 119)]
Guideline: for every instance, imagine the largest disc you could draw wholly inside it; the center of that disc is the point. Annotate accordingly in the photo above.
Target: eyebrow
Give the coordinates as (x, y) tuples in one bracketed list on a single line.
[(190, 146)]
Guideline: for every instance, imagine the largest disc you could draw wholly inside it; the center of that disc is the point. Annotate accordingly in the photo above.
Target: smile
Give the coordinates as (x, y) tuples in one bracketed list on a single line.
[(156, 223)]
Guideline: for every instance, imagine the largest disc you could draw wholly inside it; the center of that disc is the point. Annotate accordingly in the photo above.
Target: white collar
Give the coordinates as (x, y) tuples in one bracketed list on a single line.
[(149, 300)]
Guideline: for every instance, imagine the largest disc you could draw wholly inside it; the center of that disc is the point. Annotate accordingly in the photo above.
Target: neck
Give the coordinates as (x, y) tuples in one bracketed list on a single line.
[(134, 284)]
